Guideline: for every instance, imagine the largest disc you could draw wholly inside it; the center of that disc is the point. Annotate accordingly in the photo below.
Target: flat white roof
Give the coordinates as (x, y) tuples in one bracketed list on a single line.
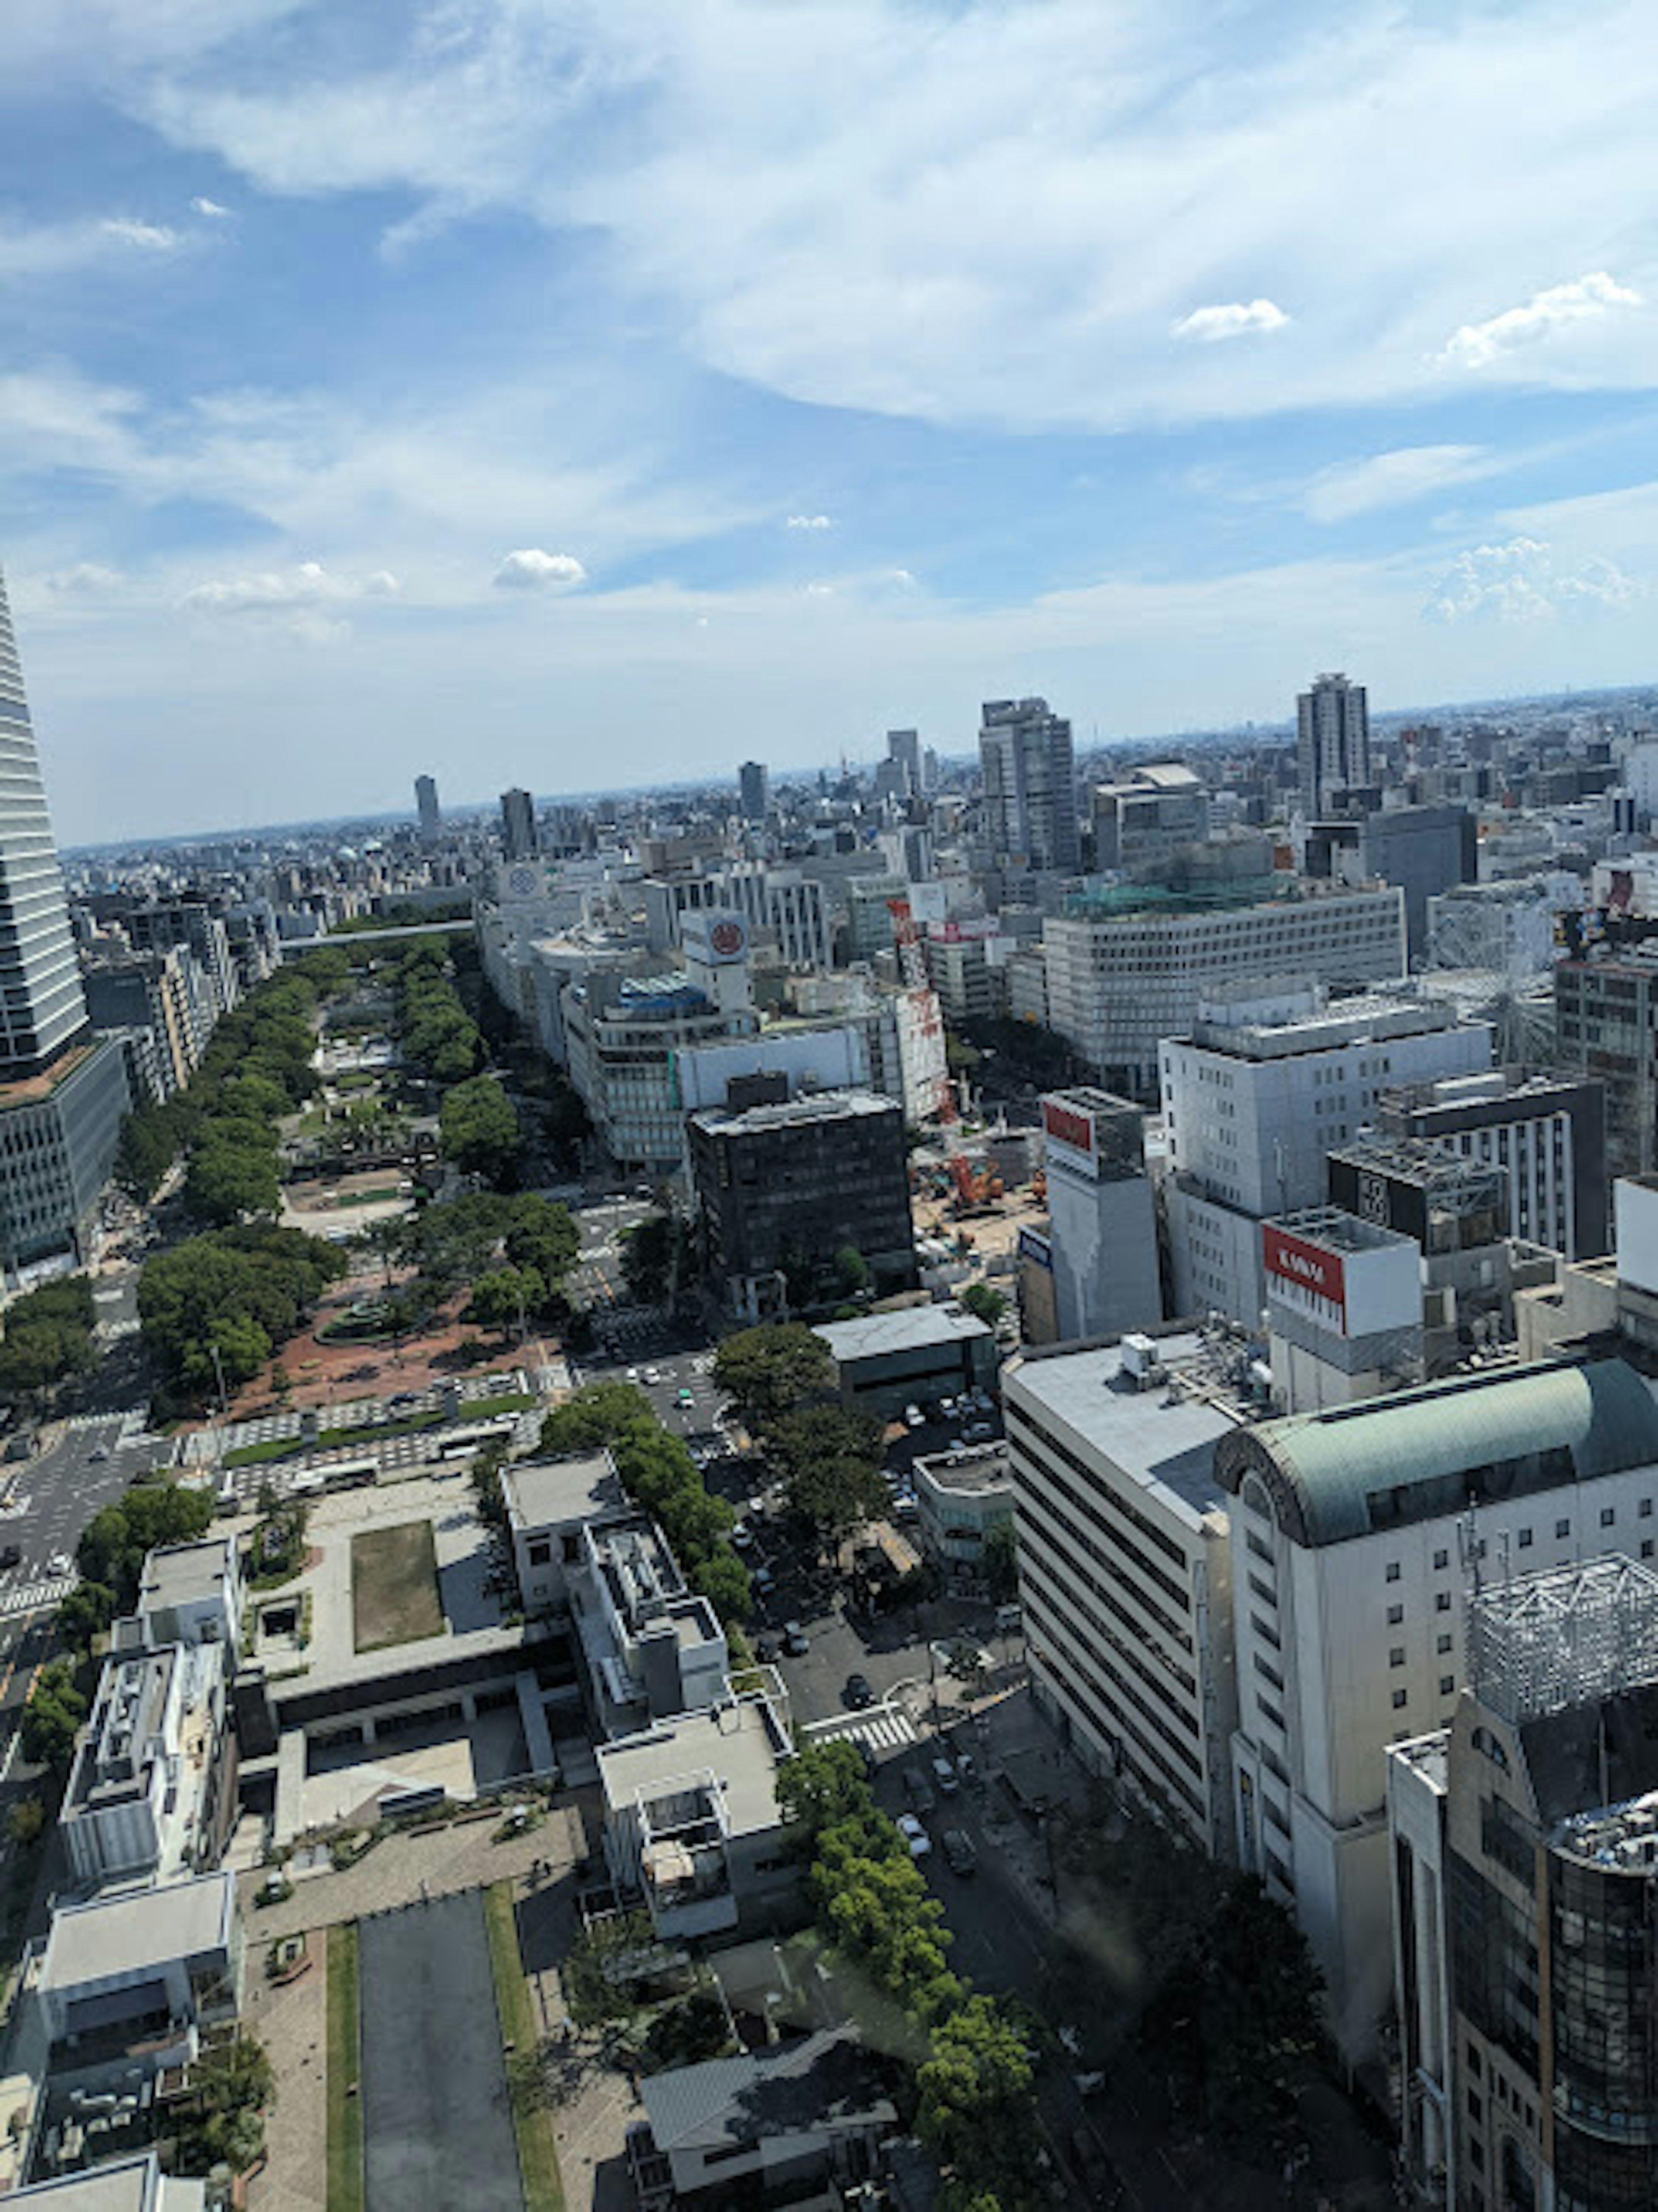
[(554, 1493), (140, 1930), (741, 1745), (1162, 1445)]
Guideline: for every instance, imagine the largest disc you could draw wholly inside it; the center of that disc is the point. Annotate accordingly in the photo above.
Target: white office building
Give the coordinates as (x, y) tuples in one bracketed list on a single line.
[(1266, 1079), (1102, 1226), (1123, 973), (1355, 1535), (1124, 1570)]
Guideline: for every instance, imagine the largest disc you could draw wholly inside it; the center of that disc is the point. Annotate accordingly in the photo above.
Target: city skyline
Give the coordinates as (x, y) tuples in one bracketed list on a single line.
[(573, 380)]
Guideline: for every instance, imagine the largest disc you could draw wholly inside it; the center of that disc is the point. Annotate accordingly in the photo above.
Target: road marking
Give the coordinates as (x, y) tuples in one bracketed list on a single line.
[(32, 1597), (884, 1727)]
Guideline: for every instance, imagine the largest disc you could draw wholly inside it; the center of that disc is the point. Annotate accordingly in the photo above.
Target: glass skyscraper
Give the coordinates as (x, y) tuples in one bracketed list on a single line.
[(42, 1005)]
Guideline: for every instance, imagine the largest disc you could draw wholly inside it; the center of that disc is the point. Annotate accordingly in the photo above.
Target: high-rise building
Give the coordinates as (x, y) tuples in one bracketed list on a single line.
[(1255, 1094), (904, 747), (62, 1095), (1332, 744), (1548, 1132), (754, 791), (1102, 1218), (519, 833), (1124, 971), (1523, 1842), (1030, 785), (783, 1188), (426, 806), (42, 1003)]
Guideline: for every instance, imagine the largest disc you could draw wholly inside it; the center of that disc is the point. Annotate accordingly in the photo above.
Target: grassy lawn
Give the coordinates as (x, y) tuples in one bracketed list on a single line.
[(532, 2125), (394, 1586), (345, 2190)]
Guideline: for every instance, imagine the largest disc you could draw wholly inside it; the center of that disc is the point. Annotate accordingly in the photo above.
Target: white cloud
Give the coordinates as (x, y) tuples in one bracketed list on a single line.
[(57, 249), (301, 597), (1238, 319), (1393, 479), (532, 570), (149, 237), (202, 205), (1476, 345), (87, 579), (1520, 581), (842, 201), (810, 522)]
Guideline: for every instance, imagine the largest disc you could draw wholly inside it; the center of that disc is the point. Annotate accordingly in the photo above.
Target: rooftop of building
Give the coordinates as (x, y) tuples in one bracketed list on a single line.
[(812, 2084), (1516, 1087), (183, 1574), (1429, 1454), (1433, 1167), (809, 1110), (558, 1493), (906, 1328), (740, 1743), (113, 1938), (1371, 1018), (1164, 1436), (31, 1089), (968, 1470), (125, 2184), (1338, 1230)]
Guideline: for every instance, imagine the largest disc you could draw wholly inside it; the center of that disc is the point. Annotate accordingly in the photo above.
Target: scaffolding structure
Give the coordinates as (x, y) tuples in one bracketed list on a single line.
[(1567, 1636)]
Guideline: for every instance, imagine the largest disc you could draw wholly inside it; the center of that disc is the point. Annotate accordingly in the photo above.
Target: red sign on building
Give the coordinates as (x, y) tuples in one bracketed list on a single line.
[(1293, 1259), (1068, 1126)]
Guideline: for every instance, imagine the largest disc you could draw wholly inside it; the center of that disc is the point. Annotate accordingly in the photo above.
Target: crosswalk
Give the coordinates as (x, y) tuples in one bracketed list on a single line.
[(35, 1597), (884, 1728)]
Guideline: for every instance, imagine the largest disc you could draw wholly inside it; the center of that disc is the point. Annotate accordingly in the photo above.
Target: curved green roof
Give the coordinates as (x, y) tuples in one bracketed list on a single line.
[(1387, 1462)]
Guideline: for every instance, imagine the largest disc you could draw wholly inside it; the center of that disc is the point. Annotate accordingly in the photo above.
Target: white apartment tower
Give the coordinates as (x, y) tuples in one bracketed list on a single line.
[(1030, 785), (1332, 742)]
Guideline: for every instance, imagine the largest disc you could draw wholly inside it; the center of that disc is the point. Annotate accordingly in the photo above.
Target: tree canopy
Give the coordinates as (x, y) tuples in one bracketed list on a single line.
[(479, 1128), (243, 1290), (830, 1460), (771, 1369), (52, 1717), (48, 1337)]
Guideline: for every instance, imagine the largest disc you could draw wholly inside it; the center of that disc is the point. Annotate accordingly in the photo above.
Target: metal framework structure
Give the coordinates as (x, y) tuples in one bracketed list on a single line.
[(1541, 1643)]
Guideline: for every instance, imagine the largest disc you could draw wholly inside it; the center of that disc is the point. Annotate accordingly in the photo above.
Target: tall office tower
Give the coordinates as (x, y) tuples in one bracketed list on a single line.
[(1101, 1216), (426, 806), (62, 1096), (754, 791), (1523, 1849), (41, 1003), (1030, 785), (520, 836), (904, 746), (1332, 742)]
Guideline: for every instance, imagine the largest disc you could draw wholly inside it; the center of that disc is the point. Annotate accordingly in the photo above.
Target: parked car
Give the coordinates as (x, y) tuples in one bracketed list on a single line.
[(919, 1790), (945, 1775), (765, 1650), (915, 1835), (796, 1642), (858, 1692), (960, 1856), (914, 1418)]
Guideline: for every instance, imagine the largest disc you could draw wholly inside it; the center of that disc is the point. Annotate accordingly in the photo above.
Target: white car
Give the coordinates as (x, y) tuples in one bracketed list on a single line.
[(632, 1375), (60, 1563), (915, 1835), (653, 1375)]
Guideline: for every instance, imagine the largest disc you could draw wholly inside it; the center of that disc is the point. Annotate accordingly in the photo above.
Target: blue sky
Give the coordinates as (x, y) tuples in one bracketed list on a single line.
[(588, 391)]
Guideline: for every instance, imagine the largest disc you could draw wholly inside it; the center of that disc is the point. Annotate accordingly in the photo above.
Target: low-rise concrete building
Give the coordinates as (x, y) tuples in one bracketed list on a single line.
[(960, 1497), (692, 1821), (548, 1503), (795, 2121), (887, 1361), (125, 2184), (137, 1976), (151, 1792), (192, 1594), (652, 1647)]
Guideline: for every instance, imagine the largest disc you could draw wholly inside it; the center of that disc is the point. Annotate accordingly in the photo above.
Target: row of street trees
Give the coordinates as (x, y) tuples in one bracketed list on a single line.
[(660, 1474), (48, 1338), (439, 1038), (974, 2066), (256, 1069)]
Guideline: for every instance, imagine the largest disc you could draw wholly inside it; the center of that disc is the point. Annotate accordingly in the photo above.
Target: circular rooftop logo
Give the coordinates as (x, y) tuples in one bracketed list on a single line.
[(726, 939)]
